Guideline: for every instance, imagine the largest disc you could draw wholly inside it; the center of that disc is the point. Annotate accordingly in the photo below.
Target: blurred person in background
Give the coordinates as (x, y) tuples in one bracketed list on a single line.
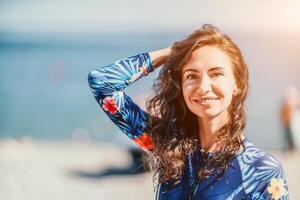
[(193, 130), (290, 117)]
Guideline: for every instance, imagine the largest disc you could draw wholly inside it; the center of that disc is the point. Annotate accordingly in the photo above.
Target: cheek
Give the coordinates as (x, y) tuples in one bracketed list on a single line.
[(227, 93), (225, 87), (187, 91)]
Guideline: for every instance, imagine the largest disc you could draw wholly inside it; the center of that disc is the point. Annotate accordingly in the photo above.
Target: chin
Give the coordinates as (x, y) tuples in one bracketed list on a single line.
[(209, 114)]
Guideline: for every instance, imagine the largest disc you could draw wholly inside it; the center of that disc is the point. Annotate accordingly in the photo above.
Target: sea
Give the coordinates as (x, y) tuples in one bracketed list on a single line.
[(44, 92)]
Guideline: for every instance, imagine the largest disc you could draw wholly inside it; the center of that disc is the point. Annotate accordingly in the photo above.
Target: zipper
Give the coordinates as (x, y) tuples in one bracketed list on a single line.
[(193, 187)]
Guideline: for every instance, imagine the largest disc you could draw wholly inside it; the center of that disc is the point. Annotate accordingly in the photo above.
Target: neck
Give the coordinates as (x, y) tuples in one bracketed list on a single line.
[(208, 129)]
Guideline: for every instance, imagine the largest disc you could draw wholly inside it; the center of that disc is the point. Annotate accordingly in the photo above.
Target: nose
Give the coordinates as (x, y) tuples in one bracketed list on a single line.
[(204, 84)]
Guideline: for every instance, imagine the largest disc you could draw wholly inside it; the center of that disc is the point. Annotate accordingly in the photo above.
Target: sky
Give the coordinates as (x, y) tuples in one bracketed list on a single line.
[(77, 16)]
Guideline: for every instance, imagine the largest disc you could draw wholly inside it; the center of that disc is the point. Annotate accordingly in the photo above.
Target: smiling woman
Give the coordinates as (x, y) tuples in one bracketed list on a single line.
[(206, 85), (208, 90), (193, 130)]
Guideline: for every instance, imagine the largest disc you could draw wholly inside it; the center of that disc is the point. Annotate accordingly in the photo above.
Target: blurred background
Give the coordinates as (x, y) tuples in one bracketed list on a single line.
[(50, 124)]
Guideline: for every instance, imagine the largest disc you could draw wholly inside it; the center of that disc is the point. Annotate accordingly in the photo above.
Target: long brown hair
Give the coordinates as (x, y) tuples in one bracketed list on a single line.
[(174, 128)]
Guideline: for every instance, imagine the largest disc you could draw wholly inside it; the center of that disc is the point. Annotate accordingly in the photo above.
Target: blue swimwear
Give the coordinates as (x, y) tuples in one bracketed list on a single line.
[(252, 174)]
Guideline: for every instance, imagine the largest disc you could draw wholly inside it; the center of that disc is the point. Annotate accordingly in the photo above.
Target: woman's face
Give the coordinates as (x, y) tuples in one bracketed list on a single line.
[(208, 83)]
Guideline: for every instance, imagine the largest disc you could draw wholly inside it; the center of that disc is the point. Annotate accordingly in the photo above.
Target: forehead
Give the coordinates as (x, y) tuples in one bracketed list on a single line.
[(207, 57)]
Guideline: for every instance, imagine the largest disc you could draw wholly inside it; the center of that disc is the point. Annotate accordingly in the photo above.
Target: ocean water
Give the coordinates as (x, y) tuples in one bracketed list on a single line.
[(45, 95)]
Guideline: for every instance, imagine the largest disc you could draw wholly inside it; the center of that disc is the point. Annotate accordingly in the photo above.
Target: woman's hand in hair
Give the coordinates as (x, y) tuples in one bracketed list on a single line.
[(160, 56)]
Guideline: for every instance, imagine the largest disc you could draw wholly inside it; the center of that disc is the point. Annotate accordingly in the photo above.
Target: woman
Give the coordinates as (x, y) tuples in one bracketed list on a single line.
[(194, 125), (290, 118)]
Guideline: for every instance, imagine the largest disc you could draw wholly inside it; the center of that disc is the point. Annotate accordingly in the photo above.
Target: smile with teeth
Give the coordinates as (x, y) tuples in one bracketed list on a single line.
[(207, 100)]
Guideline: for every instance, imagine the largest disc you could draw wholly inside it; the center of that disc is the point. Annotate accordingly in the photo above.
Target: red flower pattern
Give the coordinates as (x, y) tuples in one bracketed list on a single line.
[(110, 105), (144, 141)]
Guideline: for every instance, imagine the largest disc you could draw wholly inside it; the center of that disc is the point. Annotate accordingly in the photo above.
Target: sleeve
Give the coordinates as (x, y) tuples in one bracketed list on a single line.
[(107, 84), (269, 180)]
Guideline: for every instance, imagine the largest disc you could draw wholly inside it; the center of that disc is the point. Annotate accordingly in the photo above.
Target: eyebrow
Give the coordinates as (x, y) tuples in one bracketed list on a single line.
[(189, 69), (217, 68), (211, 69)]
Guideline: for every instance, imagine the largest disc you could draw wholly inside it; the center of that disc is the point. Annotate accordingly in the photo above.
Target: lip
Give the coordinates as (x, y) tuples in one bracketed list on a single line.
[(206, 100)]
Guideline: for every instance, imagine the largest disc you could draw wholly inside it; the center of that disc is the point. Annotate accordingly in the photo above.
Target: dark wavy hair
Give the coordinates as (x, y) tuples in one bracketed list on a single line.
[(174, 128)]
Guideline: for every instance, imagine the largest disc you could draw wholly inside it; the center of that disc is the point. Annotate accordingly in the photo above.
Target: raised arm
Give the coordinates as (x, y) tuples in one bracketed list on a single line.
[(107, 84)]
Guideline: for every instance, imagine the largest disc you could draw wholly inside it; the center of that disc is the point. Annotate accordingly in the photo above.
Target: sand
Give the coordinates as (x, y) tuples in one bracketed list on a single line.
[(45, 170)]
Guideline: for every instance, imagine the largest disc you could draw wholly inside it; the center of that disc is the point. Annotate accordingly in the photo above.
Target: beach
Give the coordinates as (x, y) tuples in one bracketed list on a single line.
[(44, 170), (48, 170)]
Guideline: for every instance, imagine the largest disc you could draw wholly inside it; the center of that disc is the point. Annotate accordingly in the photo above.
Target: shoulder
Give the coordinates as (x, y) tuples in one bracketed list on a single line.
[(255, 157), (261, 172), (269, 162)]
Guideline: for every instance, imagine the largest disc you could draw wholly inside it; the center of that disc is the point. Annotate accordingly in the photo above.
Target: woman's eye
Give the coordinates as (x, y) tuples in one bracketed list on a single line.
[(216, 75), (190, 76)]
